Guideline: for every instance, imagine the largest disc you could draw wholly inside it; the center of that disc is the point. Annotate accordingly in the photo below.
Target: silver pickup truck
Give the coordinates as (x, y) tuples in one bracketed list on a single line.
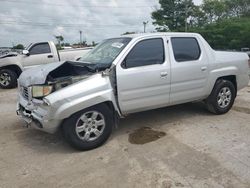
[(12, 64), (125, 75)]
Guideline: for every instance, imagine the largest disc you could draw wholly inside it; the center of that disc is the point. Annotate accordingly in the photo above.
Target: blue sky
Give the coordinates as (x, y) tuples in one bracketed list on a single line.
[(26, 21)]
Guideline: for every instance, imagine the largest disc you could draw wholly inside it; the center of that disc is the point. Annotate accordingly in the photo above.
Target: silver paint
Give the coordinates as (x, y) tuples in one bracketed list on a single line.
[(139, 88)]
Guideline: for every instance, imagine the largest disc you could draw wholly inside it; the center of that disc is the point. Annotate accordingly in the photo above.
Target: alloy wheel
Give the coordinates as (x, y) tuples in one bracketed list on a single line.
[(90, 126), (5, 79), (224, 97)]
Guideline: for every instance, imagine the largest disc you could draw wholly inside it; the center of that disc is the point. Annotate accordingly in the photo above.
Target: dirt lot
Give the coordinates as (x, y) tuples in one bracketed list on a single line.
[(192, 149)]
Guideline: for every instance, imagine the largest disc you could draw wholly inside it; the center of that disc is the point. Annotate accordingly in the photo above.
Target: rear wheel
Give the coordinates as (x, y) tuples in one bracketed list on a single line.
[(222, 97), (8, 79), (89, 128)]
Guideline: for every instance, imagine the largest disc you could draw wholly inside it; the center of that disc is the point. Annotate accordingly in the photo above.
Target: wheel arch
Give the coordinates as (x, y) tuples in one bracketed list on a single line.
[(109, 104), (231, 78), (14, 68), (211, 101), (68, 108)]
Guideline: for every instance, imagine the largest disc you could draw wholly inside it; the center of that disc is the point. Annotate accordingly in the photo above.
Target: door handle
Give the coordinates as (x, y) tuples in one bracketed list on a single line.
[(203, 69), (164, 74), (50, 56)]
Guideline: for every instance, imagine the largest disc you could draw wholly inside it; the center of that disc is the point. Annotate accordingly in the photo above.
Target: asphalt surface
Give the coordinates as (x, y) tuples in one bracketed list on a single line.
[(181, 146)]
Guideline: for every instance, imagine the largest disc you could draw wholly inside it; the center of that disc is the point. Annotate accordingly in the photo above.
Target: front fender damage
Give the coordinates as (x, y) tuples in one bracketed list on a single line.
[(74, 88), (74, 98)]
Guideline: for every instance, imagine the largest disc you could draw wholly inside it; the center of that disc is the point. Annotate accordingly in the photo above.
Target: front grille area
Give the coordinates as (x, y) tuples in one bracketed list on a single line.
[(25, 92)]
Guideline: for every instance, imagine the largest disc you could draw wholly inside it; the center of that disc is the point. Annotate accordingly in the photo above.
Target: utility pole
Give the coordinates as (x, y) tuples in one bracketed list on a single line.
[(186, 16), (80, 37), (145, 24)]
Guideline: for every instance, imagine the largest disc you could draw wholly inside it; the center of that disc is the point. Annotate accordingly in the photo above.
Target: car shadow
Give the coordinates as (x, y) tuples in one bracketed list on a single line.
[(167, 117)]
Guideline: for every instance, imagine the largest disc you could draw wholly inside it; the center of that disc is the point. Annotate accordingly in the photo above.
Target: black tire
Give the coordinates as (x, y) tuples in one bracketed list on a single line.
[(212, 101), (12, 82), (71, 135)]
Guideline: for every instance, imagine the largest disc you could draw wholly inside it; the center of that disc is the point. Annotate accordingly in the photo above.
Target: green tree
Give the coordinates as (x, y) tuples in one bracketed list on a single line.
[(227, 34), (238, 8), (128, 33), (225, 24), (198, 17), (59, 39), (94, 43), (19, 46), (173, 15), (214, 10)]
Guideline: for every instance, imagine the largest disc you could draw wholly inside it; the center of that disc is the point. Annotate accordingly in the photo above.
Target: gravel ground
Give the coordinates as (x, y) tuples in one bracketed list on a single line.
[(193, 149)]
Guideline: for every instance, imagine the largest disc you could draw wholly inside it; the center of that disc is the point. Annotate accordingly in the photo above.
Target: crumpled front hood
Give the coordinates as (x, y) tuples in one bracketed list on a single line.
[(6, 59), (37, 75), (11, 54)]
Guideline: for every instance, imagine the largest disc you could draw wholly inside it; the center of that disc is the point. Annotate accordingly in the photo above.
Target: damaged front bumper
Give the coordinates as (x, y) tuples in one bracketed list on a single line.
[(37, 115)]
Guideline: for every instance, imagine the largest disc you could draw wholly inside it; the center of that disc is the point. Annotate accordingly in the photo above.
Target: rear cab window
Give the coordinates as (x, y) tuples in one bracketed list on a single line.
[(185, 49)]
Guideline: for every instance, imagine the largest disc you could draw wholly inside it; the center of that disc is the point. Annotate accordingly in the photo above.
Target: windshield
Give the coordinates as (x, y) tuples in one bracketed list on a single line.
[(27, 48), (106, 51)]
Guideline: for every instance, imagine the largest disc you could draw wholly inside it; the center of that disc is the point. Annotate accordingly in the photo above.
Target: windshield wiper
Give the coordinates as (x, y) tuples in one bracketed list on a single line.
[(79, 62), (92, 67), (97, 67)]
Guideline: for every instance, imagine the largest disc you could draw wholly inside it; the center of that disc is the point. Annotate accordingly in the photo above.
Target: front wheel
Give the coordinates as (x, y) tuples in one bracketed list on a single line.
[(89, 128), (222, 97), (8, 79)]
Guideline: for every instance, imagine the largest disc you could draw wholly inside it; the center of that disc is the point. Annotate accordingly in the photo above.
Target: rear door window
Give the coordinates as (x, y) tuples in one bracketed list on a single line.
[(185, 49)]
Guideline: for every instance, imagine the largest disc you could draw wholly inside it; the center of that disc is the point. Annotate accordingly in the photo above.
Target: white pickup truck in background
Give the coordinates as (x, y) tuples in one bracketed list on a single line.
[(12, 65)]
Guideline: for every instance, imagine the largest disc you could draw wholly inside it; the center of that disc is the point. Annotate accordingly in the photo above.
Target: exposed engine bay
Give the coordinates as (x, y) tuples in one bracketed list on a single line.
[(67, 74), (71, 72)]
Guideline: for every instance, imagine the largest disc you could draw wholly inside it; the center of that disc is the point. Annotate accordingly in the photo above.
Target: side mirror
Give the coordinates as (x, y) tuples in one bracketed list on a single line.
[(26, 52), (77, 58)]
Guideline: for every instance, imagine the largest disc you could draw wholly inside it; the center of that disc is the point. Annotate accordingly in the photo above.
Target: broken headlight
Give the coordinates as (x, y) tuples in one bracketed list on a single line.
[(41, 91)]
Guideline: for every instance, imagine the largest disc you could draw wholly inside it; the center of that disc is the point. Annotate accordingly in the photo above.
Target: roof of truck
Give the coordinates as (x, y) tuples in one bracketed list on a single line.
[(161, 33)]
